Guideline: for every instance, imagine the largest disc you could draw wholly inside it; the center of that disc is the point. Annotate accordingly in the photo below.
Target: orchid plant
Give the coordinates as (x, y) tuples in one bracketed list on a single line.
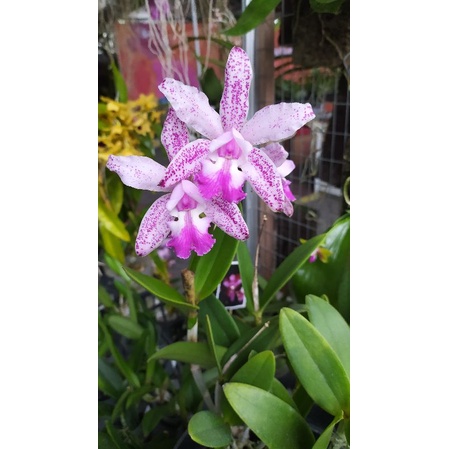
[(227, 392)]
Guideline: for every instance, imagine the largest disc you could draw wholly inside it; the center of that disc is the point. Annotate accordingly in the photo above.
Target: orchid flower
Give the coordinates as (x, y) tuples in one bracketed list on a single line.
[(228, 155), (183, 214)]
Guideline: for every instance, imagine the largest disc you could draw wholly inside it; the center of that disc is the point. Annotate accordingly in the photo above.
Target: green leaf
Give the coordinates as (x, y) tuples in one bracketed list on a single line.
[(279, 390), (111, 222), (120, 85), (189, 352), (224, 328), (211, 86), (109, 380), (112, 244), (152, 417), (332, 326), (213, 266), (104, 297), (211, 343), (331, 278), (257, 371), (116, 438), (246, 268), (115, 192), (325, 438), (163, 291), (315, 363), (208, 429), (119, 360), (289, 267), (116, 266), (253, 15), (277, 424), (326, 6), (124, 326)]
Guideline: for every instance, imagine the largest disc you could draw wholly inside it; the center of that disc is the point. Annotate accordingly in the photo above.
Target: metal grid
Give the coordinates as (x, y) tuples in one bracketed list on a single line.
[(320, 150)]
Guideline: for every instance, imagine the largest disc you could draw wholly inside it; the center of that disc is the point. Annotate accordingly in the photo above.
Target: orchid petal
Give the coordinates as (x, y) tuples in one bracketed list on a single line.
[(175, 197), (185, 162), (192, 190), (286, 168), (227, 217), (190, 232), (276, 152), (277, 122), (234, 102), (192, 107), (287, 208), (154, 227), (139, 172), (261, 174), (174, 134)]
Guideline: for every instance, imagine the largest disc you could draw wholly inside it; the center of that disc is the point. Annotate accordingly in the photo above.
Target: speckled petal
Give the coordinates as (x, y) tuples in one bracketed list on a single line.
[(227, 217), (192, 107), (277, 122), (154, 227), (174, 135), (186, 162), (276, 152), (261, 174), (234, 101), (139, 172)]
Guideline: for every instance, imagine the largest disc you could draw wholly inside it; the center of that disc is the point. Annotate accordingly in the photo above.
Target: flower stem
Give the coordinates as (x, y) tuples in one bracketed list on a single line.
[(255, 285), (188, 281)]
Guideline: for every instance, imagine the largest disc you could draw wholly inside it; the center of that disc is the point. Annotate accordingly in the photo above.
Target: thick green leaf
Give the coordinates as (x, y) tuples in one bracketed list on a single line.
[(331, 278), (208, 429), (277, 424), (111, 222), (112, 244), (246, 268), (163, 291), (289, 267), (224, 328), (116, 266), (325, 438), (253, 15), (124, 326), (257, 371), (189, 352), (315, 363), (213, 266), (120, 85), (331, 325), (279, 390)]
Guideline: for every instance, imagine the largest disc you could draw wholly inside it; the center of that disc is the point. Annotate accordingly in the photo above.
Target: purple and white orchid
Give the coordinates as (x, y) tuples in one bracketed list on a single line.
[(205, 177), (182, 214), (227, 156)]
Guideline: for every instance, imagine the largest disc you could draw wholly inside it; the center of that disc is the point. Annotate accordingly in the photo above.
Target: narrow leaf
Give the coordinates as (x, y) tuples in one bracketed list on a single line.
[(277, 424), (253, 15), (112, 244), (289, 267), (208, 429), (315, 363), (246, 268), (125, 326), (189, 352), (211, 343), (120, 85), (213, 266), (224, 328), (325, 438), (158, 288), (111, 222)]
